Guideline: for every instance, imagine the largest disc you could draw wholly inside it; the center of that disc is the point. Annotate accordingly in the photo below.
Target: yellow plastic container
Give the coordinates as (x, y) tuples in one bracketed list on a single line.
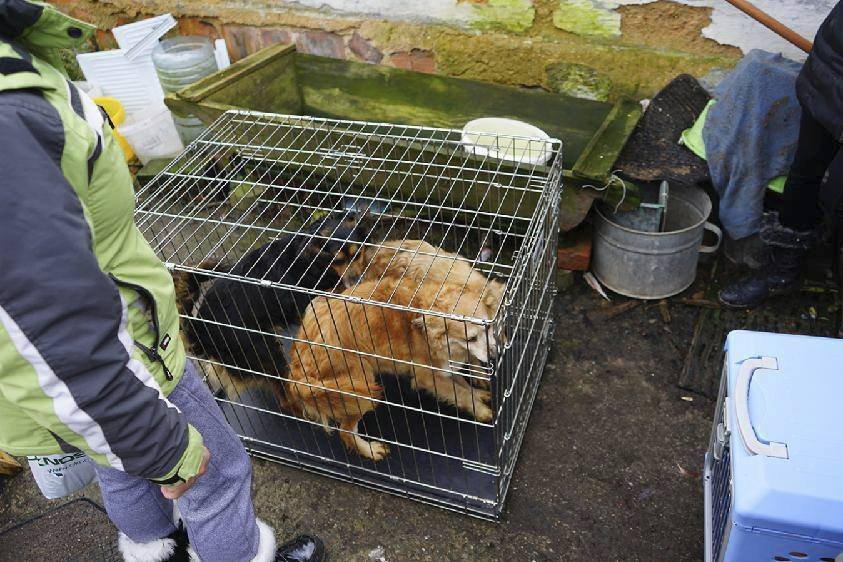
[(117, 114)]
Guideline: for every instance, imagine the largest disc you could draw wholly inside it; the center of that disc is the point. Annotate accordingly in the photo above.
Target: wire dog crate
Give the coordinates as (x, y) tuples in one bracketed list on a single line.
[(368, 301)]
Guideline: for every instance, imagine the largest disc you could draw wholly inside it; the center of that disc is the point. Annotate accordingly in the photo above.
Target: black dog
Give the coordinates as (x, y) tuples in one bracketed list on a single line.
[(234, 321)]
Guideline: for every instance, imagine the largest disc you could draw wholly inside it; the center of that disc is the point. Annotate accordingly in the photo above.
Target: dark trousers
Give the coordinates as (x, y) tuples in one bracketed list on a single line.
[(815, 181)]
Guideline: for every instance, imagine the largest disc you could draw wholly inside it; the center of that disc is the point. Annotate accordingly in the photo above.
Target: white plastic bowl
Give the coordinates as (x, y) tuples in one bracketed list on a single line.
[(507, 139)]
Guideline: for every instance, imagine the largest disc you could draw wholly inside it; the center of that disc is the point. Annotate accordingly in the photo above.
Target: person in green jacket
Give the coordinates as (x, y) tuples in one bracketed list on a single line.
[(90, 354)]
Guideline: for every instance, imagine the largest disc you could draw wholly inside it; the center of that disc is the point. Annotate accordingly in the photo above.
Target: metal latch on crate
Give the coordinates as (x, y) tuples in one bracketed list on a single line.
[(741, 420), (721, 432)]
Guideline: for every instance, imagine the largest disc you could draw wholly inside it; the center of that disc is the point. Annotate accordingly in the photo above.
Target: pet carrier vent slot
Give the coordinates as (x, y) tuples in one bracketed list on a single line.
[(798, 554), (368, 301)]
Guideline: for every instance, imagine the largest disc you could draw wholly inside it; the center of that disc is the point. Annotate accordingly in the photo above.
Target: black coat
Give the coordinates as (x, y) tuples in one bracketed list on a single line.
[(820, 84)]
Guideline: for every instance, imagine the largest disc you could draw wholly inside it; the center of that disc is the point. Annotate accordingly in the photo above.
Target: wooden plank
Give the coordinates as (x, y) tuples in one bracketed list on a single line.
[(265, 81), (592, 132), (597, 159), (8, 465), (238, 71), (207, 111), (348, 90)]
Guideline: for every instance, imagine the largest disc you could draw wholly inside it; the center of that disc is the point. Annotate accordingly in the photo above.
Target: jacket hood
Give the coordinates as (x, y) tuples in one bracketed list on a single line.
[(38, 27)]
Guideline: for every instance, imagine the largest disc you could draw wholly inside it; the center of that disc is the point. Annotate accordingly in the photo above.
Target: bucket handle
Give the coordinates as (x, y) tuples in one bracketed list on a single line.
[(717, 232)]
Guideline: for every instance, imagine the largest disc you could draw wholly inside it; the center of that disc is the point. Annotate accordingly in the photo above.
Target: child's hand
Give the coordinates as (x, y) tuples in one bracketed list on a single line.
[(176, 490)]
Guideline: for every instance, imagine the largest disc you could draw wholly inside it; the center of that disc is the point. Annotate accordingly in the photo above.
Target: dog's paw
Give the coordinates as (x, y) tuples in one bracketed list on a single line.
[(376, 451), (482, 412), (482, 395)]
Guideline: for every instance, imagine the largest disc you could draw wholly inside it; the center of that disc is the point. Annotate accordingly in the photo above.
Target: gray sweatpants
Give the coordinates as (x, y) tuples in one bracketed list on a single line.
[(217, 509)]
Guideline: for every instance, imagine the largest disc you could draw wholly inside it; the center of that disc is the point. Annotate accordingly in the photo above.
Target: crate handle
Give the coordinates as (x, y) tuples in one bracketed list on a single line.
[(741, 401)]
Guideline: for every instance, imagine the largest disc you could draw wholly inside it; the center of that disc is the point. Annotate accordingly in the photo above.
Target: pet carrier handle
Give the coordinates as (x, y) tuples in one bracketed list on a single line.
[(741, 402), (711, 227)]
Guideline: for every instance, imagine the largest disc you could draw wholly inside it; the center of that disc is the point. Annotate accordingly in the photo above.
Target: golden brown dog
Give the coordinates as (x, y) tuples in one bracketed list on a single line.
[(421, 262), (345, 345)]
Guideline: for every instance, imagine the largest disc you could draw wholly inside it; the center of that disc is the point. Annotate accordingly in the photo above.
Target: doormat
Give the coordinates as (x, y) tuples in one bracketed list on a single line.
[(652, 151)]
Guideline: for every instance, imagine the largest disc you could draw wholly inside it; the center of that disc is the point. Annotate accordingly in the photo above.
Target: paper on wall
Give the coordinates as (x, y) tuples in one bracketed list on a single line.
[(138, 39), (128, 74), (134, 86)]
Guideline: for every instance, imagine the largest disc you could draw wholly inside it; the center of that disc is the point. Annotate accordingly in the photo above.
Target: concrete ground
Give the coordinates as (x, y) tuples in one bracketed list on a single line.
[(609, 468)]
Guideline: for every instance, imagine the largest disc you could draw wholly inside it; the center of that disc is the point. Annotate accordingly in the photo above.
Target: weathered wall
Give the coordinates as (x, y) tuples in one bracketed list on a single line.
[(592, 48)]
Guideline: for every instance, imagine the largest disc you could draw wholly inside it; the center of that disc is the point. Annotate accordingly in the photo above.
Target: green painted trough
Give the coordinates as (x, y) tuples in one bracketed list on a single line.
[(280, 80)]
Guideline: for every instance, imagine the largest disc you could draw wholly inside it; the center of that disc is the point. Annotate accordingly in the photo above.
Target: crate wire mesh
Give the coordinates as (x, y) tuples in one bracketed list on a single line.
[(367, 301)]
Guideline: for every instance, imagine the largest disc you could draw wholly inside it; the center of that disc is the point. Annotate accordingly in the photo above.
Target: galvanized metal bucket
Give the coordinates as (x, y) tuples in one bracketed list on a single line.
[(654, 265)]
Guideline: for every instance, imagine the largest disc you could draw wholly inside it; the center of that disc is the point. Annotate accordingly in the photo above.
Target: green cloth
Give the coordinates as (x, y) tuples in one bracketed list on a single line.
[(693, 139)]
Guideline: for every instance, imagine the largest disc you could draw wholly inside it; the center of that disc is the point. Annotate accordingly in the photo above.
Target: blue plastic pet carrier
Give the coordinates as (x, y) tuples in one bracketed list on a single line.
[(774, 469)]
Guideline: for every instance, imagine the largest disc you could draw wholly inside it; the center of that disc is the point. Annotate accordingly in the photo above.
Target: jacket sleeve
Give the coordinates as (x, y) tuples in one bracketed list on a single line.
[(72, 370)]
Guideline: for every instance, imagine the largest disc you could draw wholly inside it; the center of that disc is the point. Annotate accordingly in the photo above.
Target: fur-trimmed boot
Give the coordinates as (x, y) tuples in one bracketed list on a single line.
[(304, 548), (781, 270), (173, 548)]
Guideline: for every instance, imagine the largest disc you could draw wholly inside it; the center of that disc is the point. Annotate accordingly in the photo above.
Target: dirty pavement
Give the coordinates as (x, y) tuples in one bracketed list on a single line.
[(609, 468)]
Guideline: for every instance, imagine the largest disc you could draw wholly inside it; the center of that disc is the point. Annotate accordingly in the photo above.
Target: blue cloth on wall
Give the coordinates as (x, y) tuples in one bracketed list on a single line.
[(750, 136)]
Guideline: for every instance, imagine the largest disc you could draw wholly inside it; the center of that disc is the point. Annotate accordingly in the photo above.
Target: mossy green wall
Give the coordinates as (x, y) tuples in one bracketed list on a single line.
[(570, 46)]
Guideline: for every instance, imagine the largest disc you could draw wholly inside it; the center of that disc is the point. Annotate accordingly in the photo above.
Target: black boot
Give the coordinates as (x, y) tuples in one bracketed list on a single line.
[(750, 251), (304, 548), (781, 271)]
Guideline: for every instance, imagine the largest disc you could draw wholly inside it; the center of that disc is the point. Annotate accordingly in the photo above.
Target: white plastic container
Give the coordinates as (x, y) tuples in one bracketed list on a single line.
[(152, 134)]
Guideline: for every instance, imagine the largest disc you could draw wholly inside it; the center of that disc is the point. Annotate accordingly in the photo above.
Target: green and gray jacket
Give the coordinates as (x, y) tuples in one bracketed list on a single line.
[(89, 331)]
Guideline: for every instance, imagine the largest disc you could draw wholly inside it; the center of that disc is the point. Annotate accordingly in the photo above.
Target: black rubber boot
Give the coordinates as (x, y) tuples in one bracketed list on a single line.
[(780, 273), (750, 251), (304, 548), (780, 276)]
